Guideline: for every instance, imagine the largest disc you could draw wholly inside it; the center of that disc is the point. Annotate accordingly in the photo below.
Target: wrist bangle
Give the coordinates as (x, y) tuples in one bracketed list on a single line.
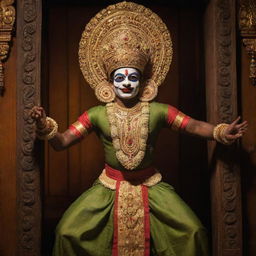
[(219, 134), (49, 131)]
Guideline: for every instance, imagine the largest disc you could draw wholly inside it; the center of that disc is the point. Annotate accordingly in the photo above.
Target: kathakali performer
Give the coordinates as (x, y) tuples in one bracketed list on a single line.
[(125, 53)]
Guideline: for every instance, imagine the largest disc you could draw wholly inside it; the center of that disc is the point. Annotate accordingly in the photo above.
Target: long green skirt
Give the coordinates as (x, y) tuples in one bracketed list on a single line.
[(86, 228)]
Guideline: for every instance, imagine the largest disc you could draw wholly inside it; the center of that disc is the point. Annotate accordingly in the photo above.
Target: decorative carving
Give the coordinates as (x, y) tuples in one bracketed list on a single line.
[(230, 197), (247, 23), (247, 17), (28, 190), (230, 242), (250, 46), (224, 51), (7, 18)]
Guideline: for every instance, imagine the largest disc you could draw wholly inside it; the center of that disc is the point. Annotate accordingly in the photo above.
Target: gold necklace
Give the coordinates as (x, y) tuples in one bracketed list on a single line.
[(129, 132)]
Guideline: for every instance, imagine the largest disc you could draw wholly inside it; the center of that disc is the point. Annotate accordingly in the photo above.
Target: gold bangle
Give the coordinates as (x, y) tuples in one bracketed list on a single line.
[(49, 131), (219, 134)]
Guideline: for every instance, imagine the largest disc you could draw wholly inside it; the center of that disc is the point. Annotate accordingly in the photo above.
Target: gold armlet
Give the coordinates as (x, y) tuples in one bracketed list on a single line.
[(219, 134), (49, 131)]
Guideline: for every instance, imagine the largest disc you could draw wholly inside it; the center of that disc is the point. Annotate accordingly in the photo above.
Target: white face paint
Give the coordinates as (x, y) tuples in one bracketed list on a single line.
[(126, 82)]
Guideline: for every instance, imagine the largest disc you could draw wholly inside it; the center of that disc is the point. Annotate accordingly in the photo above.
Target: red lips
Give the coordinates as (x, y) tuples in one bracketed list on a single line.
[(127, 90)]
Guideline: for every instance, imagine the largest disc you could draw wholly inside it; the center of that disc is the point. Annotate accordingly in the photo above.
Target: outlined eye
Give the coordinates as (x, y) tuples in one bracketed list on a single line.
[(134, 77), (119, 78)]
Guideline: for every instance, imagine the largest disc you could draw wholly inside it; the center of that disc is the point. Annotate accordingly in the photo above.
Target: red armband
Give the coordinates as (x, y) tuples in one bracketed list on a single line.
[(176, 119), (82, 126)]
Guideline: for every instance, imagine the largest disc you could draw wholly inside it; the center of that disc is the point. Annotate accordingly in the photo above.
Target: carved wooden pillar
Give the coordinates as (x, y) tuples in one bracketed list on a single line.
[(28, 82), (221, 89)]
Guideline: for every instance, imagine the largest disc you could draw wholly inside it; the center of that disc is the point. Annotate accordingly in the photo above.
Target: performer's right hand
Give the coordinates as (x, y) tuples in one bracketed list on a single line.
[(38, 114)]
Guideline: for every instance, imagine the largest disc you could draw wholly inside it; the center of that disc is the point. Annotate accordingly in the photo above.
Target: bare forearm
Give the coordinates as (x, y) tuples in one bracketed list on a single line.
[(223, 133), (62, 141), (58, 142), (200, 128), (47, 128)]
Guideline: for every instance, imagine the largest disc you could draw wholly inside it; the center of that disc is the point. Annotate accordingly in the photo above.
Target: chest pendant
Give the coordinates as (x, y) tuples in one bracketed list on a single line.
[(129, 132)]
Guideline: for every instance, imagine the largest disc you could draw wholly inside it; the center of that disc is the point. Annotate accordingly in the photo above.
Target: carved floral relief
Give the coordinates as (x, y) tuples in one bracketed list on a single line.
[(247, 24), (7, 19)]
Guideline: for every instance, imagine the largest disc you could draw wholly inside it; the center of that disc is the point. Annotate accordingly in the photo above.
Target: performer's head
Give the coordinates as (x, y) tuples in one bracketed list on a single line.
[(124, 58), (124, 39)]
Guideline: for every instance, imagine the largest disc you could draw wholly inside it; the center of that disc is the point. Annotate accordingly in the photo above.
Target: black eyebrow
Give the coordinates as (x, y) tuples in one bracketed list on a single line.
[(135, 73), (119, 74)]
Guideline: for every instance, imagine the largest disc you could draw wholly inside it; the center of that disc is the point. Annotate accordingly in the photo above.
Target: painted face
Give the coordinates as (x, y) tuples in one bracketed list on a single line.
[(126, 82)]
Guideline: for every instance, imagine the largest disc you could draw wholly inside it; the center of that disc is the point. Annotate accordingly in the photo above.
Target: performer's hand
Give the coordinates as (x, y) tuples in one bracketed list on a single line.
[(38, 114), (235, 130)]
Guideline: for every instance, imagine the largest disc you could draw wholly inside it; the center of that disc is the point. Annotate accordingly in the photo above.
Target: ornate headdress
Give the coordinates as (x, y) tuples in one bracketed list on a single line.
[(125, 35), (124, 48)]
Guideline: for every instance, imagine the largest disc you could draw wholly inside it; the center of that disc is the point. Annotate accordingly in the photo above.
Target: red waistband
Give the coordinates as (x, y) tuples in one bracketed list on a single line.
[(137, 175)]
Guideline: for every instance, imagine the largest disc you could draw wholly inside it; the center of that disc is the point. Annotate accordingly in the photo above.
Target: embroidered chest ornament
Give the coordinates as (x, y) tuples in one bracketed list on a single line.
[(129, 131)]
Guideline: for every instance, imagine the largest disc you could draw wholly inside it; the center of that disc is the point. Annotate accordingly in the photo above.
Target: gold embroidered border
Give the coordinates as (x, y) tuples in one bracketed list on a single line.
[(106, 181), (130, 217), (79, 126), (111, 183), (178, 121), (153, 180)]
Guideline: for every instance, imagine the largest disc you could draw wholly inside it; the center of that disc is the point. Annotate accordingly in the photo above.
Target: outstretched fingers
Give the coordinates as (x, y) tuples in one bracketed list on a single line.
[(236, 130), (234, 136), (242, 125), (235, 122), (241, 128)]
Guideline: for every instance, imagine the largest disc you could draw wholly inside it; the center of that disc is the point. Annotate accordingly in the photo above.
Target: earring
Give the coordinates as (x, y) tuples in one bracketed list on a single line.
[(150, 91), (104, 92)]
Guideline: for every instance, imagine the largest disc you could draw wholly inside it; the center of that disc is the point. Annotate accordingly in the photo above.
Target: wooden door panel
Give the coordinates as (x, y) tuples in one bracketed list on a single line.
[(248, 104), (56, 168)]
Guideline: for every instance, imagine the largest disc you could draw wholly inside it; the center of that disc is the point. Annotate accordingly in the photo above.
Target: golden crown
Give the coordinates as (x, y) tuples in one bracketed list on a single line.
[(124, 48)]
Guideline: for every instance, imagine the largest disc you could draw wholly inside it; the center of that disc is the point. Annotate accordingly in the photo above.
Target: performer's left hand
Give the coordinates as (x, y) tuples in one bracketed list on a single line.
[(235, 130)]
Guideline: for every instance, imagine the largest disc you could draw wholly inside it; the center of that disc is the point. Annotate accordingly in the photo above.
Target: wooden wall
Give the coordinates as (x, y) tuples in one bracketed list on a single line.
[(8, 158), (248, 156)]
